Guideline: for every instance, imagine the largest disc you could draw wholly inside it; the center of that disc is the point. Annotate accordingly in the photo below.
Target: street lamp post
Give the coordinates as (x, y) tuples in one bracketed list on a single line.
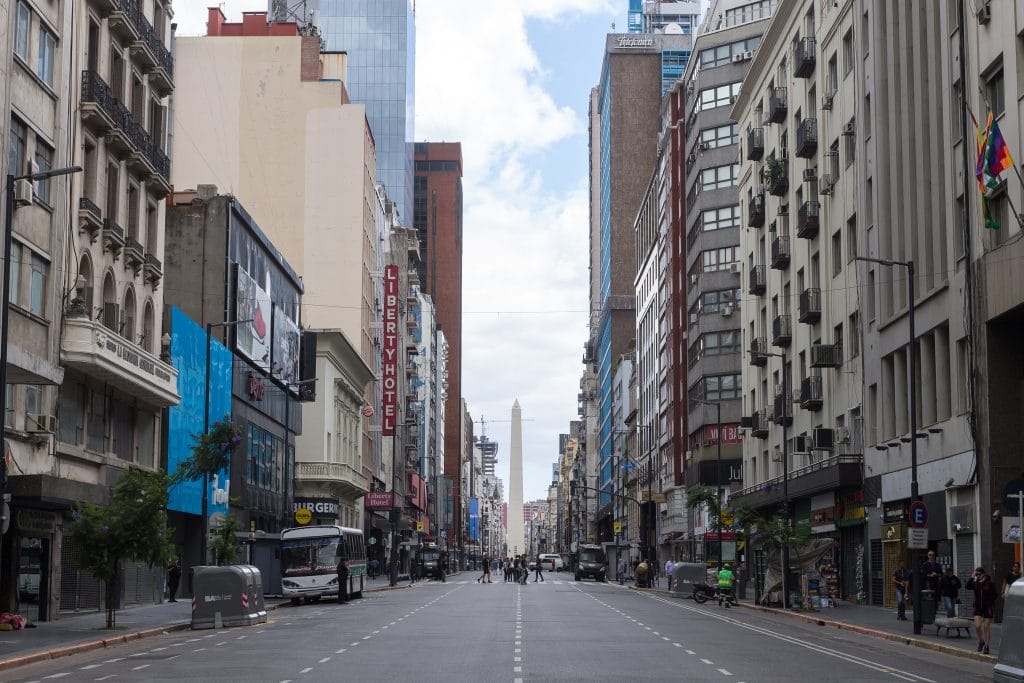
[(915, 494), (718, 471), (786, 408), (5, 303)]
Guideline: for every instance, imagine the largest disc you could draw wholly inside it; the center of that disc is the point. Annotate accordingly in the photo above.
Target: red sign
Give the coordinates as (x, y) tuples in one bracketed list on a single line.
[(726, 536), (730, 434), (378, 500), (417, 491), (389, 354)]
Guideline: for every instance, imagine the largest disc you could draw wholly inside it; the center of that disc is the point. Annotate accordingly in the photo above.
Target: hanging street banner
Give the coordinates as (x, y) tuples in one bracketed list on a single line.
[(389, 353)]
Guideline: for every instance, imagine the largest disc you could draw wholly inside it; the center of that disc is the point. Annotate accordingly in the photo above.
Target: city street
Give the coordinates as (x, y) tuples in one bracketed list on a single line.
[(556, 630)]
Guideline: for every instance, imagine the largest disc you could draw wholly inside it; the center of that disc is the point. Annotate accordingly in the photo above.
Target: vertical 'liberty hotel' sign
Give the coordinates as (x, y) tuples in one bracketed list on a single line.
[(389, 359)]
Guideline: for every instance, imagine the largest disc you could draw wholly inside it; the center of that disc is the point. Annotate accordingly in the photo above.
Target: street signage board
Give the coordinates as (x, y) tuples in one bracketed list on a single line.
[(617, 526), (918, 515), (917, 539)]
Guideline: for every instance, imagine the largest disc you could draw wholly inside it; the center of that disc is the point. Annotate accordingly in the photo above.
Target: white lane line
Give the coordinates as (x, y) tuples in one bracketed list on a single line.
[(517, 669), (89, 666), (306, 670), (161, 649), (139, 654), (656, 633), (690, 652), (724, 672), (199, 649), (140, 667), (106, 677), (647, 627), (111, 661), (517, 659), (222, 643), (324, 660), (354, 644), (376, 632), (707, 661), (367, 637), (391, 624), (677, 644), (664, 637), (287, 680), (338, 652), (60, 675), (238, 638)]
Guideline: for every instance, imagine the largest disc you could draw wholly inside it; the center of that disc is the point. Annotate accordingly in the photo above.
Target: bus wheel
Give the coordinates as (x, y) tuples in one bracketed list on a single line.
[(296, 601)]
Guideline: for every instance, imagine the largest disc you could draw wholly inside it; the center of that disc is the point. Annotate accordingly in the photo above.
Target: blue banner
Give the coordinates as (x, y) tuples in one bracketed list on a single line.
[(185, 420), (474, 519)]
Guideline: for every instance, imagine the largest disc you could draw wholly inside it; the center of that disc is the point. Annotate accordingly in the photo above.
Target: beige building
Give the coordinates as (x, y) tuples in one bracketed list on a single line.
[(264, 115)]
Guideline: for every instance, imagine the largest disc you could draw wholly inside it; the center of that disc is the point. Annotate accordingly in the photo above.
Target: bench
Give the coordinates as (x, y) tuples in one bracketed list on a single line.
[(950, 623)]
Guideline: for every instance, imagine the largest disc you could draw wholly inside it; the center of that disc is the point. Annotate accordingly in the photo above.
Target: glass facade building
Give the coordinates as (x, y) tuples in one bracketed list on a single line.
[(379, 37)]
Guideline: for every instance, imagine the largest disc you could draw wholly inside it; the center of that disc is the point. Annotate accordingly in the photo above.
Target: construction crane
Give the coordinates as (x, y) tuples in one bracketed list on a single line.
[(483, 424)]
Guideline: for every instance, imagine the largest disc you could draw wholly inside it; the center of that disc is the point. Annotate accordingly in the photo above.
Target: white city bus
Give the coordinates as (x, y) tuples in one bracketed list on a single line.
[(310, 557)]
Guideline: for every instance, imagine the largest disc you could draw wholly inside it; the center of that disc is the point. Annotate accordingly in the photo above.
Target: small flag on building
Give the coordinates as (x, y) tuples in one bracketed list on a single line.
[(993, 158)]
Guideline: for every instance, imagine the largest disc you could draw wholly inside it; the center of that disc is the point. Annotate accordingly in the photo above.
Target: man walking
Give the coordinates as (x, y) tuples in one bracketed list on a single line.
[(173, 579), (901, 577), (620, 570), (949, 589), (343, 581), (537, 573), (984, 606)]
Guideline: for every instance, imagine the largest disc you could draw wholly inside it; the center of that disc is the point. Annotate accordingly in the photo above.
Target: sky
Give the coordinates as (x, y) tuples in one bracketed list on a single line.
[(511, 82)]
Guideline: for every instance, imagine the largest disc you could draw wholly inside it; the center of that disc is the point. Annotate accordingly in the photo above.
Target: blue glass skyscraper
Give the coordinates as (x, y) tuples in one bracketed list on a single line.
[(380, 39)]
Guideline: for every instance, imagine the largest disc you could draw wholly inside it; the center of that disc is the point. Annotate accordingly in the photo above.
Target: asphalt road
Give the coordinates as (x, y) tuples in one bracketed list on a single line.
[(559, 630)]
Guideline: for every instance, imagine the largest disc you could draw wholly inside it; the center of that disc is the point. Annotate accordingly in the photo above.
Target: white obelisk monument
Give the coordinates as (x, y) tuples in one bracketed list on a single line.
[(516, 537)]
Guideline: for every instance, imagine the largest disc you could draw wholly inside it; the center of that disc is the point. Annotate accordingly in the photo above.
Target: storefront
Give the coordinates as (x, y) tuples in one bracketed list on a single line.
[(312, 511), (850, 518)]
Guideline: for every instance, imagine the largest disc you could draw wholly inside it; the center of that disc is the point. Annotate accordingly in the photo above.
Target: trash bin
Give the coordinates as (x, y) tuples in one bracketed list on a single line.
[(1010, 666), (928, 607), (227, 596), (684, 576)]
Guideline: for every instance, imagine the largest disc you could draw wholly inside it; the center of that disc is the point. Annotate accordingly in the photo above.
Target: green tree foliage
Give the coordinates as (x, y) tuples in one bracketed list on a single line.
[(707, 496), (224, 541), (132, 528), (211, 451)]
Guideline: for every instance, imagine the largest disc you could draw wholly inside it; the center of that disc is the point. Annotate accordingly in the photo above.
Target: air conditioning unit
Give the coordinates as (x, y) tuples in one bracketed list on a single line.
[(23, 192), (826, 184), (694, 279), (693, 318), (732, 100), (40, 424), (734, 267), (704, 146), (842, 434), (727, 294), (985, 14), (848, 129), (749, 54), (692, 158), (810, 174), (689, 456), (801, 444), (726, 310), (822, 439), (826, 101), (961, 518), (738, 57)]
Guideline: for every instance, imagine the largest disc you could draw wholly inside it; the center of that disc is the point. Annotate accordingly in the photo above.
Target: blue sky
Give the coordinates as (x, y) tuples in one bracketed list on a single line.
[(511, 81)]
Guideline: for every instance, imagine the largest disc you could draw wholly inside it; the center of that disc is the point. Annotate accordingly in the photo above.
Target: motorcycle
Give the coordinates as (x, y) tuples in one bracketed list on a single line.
[(703, 592)]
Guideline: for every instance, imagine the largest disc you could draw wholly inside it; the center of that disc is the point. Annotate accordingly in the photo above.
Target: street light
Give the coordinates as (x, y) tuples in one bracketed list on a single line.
[(718, 471), (786, 408), (206, 430), (914, 492)]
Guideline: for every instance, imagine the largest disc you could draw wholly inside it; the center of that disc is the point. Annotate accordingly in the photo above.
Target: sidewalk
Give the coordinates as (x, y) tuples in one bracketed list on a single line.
[(74, 633)]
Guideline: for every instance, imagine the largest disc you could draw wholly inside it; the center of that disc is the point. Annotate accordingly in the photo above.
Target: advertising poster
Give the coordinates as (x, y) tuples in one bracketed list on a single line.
[(389, 353), (285, 352), (252, 339), (185, 420), (474, 519)]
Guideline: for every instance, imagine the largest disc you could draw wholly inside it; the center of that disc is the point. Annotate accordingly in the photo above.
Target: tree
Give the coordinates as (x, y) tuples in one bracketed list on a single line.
[(224, 540), (211, 451), (708, 497), (132, 528)]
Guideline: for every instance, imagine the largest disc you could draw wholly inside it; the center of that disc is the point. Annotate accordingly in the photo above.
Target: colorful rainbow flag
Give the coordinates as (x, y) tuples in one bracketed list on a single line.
[(993, 158)]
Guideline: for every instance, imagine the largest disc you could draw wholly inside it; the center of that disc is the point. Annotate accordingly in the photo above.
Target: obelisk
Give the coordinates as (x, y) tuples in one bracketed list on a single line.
[(516, 537)]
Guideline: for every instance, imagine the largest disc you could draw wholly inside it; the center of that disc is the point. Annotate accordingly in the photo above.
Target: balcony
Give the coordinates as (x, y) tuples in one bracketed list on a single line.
[(810, 305), (804, 57), (781, 252), (90, 218), (782, 414), (104, 7), (119, 138), (758, 281), (97, 107), (782, 331), (124, 20), (348, 481), (755, 144), (134, 254), (141, 150), (829, 474), (807, 220), (777, 106), (811, 393), (759, 352), (113, 236), (826, 355), (807, 138), (152, 270), (755, 211), (759, 424), (89, 347), (776, 176)]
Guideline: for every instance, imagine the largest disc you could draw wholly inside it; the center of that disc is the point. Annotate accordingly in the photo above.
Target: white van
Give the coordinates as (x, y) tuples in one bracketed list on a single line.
[(552, 562)]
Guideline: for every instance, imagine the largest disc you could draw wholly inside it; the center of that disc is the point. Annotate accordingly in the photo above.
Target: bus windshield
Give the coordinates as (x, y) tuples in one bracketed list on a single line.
[(305, 556)]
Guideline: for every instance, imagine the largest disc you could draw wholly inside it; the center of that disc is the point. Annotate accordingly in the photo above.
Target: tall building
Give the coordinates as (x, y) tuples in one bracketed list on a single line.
[(379, 39), (437, 218), (516, 536), (625, 123), (488, 454), (664, 16)]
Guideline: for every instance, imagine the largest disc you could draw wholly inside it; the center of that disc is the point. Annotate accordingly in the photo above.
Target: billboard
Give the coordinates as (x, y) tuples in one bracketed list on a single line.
[(474, 519), (285, 351), (379, 500), (389, 353), (252, 339), (188, 356)]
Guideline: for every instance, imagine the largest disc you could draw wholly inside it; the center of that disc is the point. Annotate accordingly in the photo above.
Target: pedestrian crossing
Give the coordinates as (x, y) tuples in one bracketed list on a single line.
[(553, 582)]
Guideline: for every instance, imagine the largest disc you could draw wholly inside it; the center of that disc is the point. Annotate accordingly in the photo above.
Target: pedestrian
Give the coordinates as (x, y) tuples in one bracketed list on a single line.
[(931, 572), (620, 570), (949, 589), (412, 570), (1014, 575), (442, 565), (173, 579), (537, 573), (641, 573), (669, 566), (984, 606), (901, 577), (343, 581), (485, 577), (374, 566)]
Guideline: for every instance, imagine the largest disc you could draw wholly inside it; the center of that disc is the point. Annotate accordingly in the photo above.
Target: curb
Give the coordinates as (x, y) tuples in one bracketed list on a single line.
[(88, 646), (876, 633)]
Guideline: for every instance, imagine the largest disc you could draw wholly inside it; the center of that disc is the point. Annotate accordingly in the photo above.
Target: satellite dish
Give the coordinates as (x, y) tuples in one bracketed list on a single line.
[(673, 29)]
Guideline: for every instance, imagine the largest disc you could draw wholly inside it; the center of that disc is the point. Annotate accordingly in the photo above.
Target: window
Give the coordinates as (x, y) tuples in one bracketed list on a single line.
[(16, 154), (9, 406), (37, 285), (14, 274), (723, 54), (833, 75), (34, 400), (47, 55), (718, 97), (96, 436), (717, 219), (719, 259), (132, 231), (837, 253), (854, 334), (994, 91), (719, 177), (848, 55), (851, 238), (22, 22), (70, 412), (722, 136), (717, 343), (712, 302), (851, 146), (721, 387), (44, 162)]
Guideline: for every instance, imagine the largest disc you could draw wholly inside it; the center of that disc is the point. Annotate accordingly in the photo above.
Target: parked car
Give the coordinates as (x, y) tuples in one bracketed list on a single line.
[(551, 562)]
